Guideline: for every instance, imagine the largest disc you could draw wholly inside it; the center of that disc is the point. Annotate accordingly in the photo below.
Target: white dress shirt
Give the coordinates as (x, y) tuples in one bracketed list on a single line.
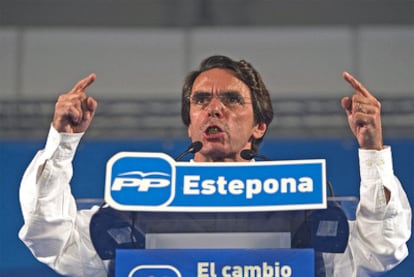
[(58, 234)]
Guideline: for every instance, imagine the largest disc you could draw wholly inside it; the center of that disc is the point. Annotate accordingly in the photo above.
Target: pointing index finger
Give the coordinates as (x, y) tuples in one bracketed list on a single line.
[(84, 83), (356, 84)]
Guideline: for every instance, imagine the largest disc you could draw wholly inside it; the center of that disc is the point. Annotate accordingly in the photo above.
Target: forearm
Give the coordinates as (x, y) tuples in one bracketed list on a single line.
[(45, 188), (51, 227), (383, 225)]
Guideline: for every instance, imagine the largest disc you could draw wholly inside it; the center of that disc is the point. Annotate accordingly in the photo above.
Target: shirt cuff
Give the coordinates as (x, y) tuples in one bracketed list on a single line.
[(61, 145), (374, 163)]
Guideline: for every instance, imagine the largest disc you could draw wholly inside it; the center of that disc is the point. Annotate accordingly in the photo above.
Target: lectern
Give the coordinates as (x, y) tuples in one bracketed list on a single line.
[(167, 218)]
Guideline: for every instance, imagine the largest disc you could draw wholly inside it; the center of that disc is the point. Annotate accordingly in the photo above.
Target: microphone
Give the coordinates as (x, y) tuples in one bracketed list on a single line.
[(249, 154), (193, 148)]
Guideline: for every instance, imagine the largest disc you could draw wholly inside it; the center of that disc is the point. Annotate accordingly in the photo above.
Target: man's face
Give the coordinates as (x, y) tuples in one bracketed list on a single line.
[(221, 116)]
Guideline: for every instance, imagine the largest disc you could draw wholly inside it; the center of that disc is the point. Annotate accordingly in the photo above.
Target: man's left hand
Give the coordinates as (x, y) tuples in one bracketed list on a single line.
[(364, 115)]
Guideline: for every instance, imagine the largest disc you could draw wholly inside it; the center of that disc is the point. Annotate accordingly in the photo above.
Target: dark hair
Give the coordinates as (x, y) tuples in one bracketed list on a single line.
[(244, 71)]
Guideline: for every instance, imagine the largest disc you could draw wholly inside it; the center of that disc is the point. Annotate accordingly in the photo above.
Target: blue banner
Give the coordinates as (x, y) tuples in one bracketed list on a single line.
[(215, 263), (155, 182)]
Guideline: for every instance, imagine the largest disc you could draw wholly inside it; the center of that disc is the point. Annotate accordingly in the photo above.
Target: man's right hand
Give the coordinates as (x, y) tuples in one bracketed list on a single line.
[(74, 110)]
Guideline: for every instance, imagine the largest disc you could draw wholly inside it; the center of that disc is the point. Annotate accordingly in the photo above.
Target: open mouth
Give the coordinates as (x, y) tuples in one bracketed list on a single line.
[(212, 130)]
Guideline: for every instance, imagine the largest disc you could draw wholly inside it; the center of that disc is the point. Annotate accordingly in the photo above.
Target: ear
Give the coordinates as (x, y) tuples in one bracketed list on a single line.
[(259, 130)]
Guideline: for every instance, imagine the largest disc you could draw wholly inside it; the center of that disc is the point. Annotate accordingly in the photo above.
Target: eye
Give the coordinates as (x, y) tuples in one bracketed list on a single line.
[(231, 98), (201, 98)]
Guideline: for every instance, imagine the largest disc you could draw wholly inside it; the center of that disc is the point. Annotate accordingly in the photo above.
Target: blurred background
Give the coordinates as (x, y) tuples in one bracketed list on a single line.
[(141, 51)]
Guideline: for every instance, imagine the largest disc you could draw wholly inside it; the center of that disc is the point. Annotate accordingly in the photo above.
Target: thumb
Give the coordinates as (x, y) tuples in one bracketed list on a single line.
[(346, 104)]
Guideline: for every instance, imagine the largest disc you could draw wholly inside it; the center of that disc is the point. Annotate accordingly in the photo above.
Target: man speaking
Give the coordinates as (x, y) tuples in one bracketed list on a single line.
[(226, 107)]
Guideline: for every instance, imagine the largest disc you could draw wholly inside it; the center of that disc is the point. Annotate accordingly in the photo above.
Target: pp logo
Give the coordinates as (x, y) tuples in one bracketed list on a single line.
[(154, 271), (140, 179)]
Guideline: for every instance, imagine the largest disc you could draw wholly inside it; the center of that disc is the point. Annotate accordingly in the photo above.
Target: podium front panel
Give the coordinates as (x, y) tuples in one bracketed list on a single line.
[(215, 263)]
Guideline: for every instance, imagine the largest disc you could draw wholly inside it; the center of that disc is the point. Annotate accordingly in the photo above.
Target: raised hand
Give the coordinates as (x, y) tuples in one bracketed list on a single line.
[(364, 115), (74, 110)]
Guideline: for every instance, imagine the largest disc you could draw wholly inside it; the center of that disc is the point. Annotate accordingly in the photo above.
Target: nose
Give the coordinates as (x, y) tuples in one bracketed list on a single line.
[(215, 108)]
